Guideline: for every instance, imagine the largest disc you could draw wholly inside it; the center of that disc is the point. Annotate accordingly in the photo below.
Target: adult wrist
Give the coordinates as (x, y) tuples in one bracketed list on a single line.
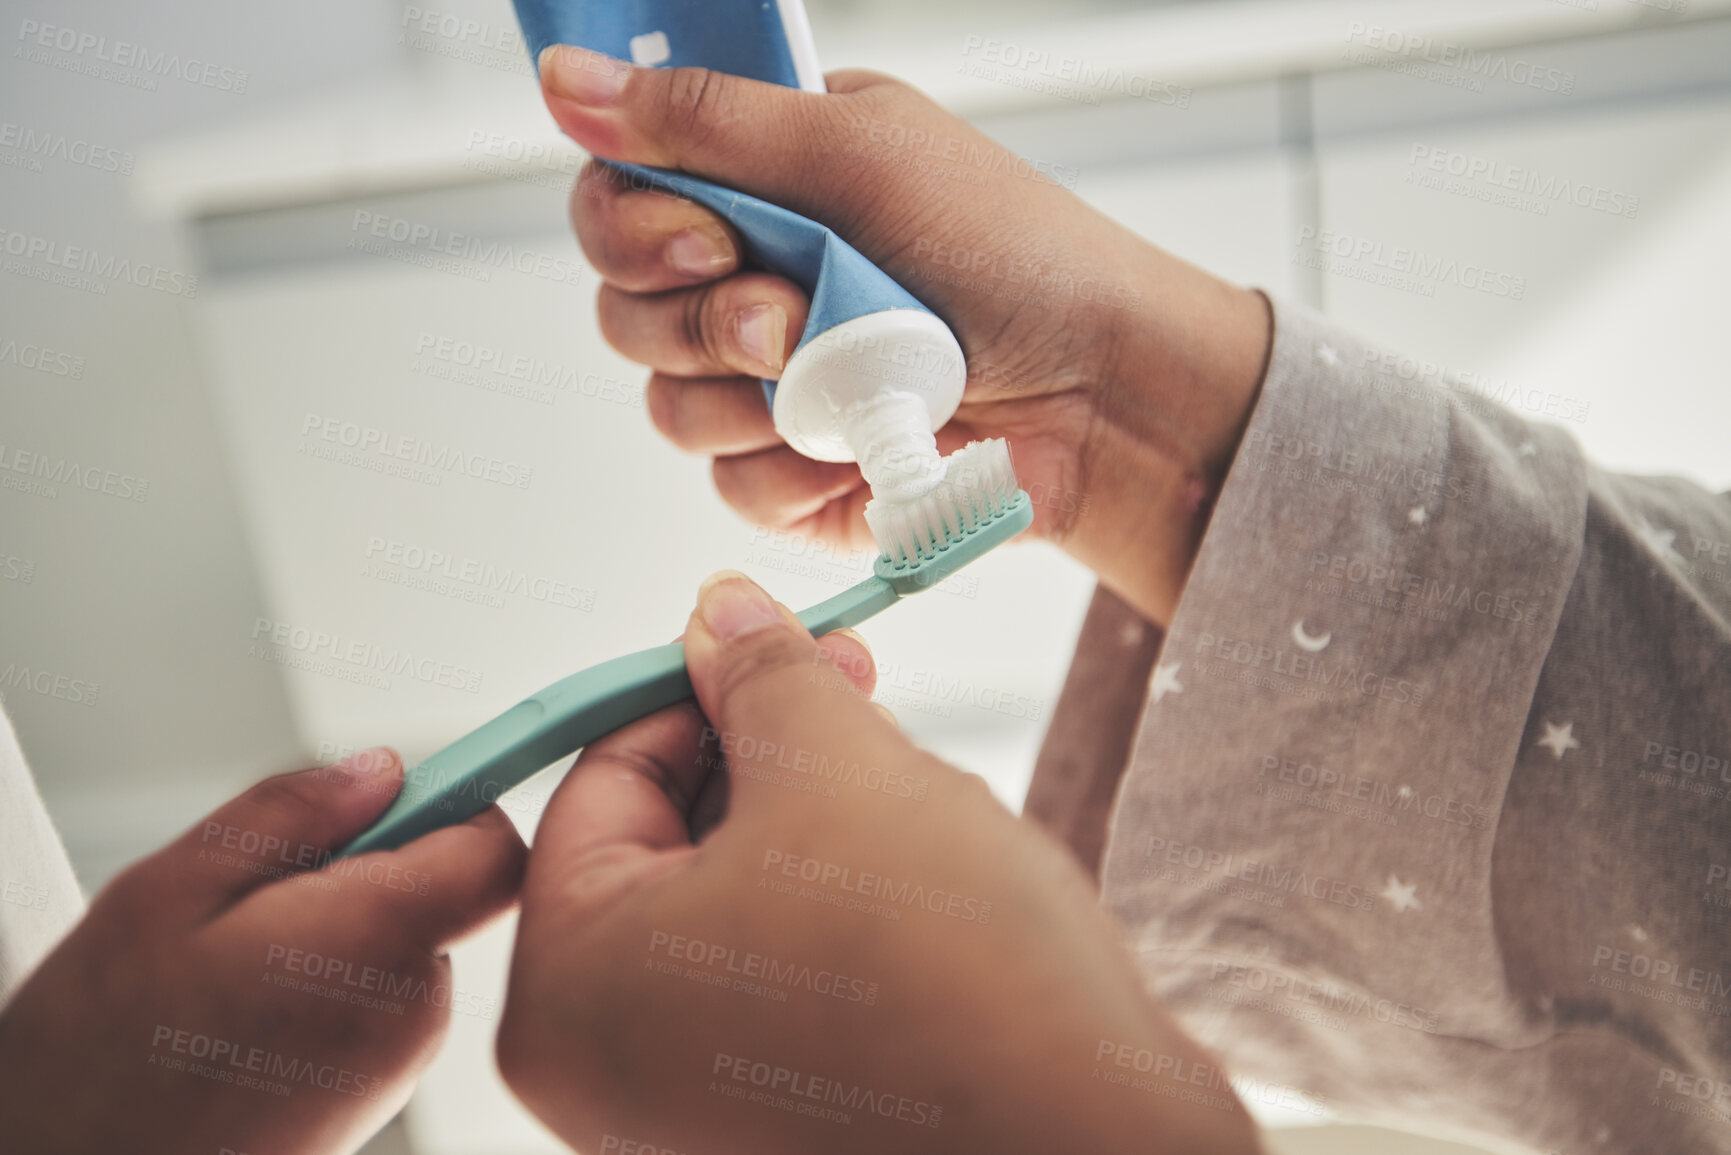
[(1180, 383)]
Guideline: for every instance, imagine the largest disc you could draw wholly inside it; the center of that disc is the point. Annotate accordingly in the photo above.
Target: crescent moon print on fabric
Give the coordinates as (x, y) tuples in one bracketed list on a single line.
[(1305, 642)]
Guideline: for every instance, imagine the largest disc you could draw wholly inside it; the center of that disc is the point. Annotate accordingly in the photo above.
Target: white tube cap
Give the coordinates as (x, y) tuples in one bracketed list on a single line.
[(838, 377)]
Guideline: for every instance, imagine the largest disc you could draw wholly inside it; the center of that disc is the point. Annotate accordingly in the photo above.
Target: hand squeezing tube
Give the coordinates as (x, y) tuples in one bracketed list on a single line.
[(875, 372)]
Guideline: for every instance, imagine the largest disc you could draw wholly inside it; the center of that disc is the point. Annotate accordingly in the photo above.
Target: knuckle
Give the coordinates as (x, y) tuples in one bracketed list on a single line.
[(523, 1047), (972, 787), (695, 99), (591, 196), (532, 1050), (512, 1046), (706, 323), (624, 255), (662, 401), (600, 245), (129, 895), (971, 792), (764, 662), (612, 311), (292, 796), (738, 482), (390, 922), (509, 855)]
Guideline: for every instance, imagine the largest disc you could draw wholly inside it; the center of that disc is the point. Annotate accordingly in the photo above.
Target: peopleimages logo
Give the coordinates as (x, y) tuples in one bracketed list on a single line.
[(502, 155), (903, 894), (1297, 667), (88, 53), (499, 37), (1158, 852), (1070, 77), (1543, 189), (974, 157), (349, 442), (23, 894), (754, 758), (996, 272), (1660, 970), (226, 1061), (35, 145), (1418, 591), (385, 555), (496, 46), (276, 640), (801, 1093), (47, 471), (1388, 371), (499, 370), (436, 243), (1392, 47), (48, 684), (86, 269), (369, 987), (752, 969), (1413, 269), (1267, 989), (1328, 788), (26, 355)]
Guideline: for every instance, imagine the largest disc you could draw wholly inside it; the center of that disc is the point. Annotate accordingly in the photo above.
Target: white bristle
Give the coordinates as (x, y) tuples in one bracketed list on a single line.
[(978, 481)]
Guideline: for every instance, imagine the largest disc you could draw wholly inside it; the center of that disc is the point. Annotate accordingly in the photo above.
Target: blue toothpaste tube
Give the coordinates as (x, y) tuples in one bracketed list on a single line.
[(875, 372)]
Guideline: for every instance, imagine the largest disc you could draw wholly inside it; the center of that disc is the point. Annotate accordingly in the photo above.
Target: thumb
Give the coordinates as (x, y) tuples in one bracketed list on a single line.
[(781, 707), (749, 135)]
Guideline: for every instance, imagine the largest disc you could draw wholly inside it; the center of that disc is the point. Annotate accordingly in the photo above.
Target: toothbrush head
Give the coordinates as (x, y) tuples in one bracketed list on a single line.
[(975, 507)]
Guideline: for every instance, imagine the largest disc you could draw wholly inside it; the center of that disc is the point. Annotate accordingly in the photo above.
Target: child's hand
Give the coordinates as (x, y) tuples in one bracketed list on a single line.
[(227, 992)]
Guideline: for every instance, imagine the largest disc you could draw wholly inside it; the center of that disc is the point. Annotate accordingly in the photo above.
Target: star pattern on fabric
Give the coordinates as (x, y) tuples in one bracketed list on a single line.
[(1559, 740), (1166, 680), (1528, 449), (1417, 515), (1403, 895), (1328, 355), (1660, 540)]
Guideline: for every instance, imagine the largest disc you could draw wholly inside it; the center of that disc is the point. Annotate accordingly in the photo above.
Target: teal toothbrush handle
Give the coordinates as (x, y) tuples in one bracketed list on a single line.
[(471, 773)]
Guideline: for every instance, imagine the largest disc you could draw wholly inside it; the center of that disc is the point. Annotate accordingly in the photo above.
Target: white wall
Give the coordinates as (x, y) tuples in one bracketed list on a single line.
[(141, 598)]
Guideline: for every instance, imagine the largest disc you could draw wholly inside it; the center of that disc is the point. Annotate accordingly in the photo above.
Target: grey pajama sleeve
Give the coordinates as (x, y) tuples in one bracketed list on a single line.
[(1429, 813)]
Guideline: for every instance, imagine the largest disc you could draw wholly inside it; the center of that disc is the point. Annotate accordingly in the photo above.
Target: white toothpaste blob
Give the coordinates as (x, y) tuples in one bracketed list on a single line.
[(975, 484)]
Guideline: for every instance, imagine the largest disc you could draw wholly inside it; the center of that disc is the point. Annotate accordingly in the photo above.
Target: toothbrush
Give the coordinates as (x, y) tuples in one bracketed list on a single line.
[(874, 375), (977, 506)]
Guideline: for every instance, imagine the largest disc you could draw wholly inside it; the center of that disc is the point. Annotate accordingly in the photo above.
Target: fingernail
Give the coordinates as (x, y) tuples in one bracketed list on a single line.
[(823, 645), (843, 658), (377, 760), (582, 76), (763, 335), (732, 605), (699, 252)]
